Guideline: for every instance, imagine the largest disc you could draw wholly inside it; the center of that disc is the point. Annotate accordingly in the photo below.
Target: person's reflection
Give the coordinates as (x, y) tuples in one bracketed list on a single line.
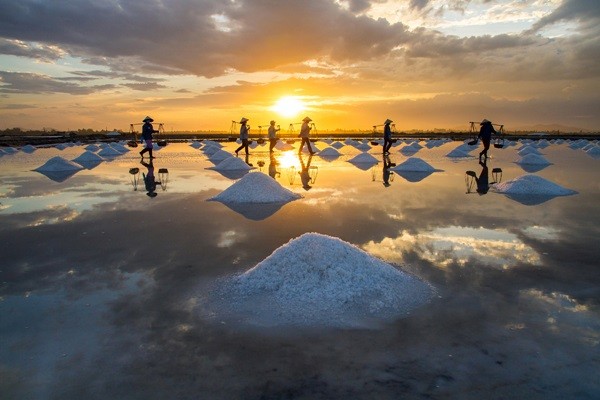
[(247, 160), (304, 174), (387, 164), (273, 173), (483, 181), (149, 180)]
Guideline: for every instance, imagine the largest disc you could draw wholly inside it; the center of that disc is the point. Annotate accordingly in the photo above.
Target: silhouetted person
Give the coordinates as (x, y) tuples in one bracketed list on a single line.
[(304, 174), (273, 173), (387, 136), (485, 133), (483, 182), (244, 128), (304, 133), (147, 131), (149, 180), (272, 136)]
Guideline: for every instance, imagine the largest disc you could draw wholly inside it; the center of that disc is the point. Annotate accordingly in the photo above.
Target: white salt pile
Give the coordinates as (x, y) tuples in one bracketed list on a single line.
[(58, 164), (458, 152), (363, 147), (210, 149), (337, 145), (532, 185), (319, 281), (363, 158), (92, 147), (88, 156), (195, 144), (329, 152), (594, 152), (283, 146), (28, 149), (414, 164), (412, 148), (61, 146), (256, 187), (528, 150), (109, 152), (219, 155), (231, 164), (9, 150), (533, 159)]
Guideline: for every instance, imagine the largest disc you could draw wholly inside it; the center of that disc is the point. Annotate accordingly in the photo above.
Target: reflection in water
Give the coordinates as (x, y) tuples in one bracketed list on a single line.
[(273, 173), (387, 176), (458, 245), (482, 182), (134, 176), (149, 180)]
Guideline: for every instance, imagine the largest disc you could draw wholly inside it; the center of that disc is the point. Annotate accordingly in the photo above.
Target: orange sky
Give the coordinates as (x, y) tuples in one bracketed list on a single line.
[(198, 65)]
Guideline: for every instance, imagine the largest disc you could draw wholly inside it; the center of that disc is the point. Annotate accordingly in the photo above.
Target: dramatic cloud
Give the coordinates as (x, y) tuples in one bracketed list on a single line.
[(18, 82), (331, 53)]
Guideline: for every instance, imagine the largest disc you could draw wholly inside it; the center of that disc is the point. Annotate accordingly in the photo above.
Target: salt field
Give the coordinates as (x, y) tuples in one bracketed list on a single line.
[(343, 275)]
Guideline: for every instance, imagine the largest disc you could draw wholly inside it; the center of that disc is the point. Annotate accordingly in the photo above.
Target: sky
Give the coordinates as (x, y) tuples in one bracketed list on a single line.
[(347, 64)]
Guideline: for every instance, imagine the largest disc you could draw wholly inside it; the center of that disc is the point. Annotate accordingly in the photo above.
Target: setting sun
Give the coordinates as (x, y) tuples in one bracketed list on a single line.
[(288, 106)]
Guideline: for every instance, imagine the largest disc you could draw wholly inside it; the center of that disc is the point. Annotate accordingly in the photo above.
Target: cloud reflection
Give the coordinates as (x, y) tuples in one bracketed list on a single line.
[(462, 245)]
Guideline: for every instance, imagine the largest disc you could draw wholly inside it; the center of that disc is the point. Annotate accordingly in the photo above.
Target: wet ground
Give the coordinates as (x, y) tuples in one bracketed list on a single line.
[(101, 285)]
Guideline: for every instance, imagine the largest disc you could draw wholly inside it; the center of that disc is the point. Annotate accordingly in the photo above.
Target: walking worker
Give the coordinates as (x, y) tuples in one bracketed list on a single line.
[(304, 133), (387, 136), (485, 134), (147, 131), (272, 136), (244, 128)]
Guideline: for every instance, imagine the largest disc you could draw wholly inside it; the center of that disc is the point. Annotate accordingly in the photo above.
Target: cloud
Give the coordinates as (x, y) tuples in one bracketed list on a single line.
[(22, 49), (586, 12), (21, 82), (144, 87)]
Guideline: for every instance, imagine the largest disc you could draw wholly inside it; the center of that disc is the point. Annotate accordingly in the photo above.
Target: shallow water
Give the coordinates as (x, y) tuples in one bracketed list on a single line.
[(102, 286)]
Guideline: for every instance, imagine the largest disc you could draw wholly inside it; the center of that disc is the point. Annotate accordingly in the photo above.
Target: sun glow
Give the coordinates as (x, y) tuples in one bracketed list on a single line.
[(288, 106)]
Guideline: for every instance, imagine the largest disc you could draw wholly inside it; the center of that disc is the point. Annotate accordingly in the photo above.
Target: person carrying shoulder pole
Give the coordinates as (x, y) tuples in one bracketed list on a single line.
[(485, 134), (147, 131), (387, 136), (272, 136), (244, 128), (304, 133)]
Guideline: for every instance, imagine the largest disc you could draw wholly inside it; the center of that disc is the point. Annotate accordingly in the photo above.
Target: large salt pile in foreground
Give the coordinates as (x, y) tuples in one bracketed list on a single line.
[(256, 187), (318, 280), (532, 185)]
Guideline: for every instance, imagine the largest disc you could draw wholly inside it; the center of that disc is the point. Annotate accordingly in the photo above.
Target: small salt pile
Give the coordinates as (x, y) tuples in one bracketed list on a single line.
[(363, 158), (88, 156), (256, 187), (91, 147), (458, 152), (61, 146), (219, 156), (528, 150), (283, 146), (58, 164), (9, 150), (231, 164), (329, 152), (594, 152), (411, 149), (414, 164), (28, 149), (209, 149), (319, 281), (532, 185), (533, 159), (337, 145), (363, 147), (108, 151)]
